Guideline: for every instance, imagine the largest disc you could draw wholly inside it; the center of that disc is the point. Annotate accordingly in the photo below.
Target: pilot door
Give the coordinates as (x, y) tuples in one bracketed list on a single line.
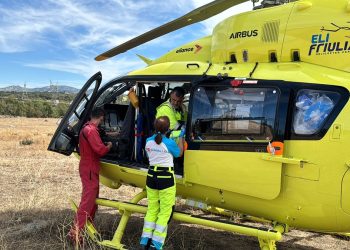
[(65, 138), (231, 125)]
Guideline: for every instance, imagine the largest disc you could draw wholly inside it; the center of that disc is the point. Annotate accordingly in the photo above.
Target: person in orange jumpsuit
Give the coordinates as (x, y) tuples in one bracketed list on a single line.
[(91, 149)]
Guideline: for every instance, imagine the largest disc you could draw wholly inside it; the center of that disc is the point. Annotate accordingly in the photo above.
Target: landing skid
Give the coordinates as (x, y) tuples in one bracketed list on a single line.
[(267, 238)]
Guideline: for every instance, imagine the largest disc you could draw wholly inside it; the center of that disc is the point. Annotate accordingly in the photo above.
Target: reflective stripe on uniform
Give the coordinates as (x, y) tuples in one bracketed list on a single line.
[(164, 177), (161, 168), (146, 235), (158, 238), (149, 224), (177, 126), (161, 229)]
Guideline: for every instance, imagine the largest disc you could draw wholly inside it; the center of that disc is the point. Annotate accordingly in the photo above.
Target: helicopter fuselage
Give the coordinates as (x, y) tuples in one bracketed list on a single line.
[(291, 43)]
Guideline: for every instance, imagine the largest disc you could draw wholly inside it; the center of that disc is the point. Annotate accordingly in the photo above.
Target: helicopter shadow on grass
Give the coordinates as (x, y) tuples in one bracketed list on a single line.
[(40, 229)]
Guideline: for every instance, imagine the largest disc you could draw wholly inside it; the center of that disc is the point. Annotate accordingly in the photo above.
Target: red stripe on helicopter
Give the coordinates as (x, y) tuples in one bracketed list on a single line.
[(237, 82)]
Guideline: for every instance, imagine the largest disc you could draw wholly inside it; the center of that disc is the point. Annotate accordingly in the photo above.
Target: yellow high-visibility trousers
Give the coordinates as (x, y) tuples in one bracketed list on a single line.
[(161, 193)]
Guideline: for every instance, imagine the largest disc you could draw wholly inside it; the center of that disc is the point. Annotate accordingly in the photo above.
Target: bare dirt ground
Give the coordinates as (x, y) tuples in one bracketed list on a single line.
[(35, 185)]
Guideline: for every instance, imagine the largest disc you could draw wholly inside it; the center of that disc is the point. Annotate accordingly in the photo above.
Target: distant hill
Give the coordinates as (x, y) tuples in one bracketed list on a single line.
[(60, 89)]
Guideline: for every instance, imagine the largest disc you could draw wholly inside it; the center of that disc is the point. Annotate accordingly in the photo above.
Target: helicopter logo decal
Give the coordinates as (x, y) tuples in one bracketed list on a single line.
[(321, 44), (196, 49), (337, 28), (244, 34)]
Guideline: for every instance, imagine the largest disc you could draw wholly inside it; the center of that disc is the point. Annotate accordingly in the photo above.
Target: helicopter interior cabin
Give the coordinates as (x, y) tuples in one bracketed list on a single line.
[(127, 125)]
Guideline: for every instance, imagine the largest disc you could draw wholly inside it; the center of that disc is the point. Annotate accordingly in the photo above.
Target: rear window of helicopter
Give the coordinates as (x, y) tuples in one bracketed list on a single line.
[(311, 110), (232, 114)]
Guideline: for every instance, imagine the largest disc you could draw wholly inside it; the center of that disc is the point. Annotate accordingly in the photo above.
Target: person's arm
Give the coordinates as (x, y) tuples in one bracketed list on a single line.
[(96, 143), (175, 149), (180, 144)]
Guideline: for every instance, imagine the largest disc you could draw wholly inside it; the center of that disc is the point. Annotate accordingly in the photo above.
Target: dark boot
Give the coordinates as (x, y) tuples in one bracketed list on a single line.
[(148, 245)]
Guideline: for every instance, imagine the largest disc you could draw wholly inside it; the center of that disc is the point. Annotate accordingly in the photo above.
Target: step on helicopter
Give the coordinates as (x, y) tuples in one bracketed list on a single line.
[(268, 128)]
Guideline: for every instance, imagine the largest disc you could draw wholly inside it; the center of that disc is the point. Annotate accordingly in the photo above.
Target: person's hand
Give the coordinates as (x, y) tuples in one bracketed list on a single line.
[(109, 145)]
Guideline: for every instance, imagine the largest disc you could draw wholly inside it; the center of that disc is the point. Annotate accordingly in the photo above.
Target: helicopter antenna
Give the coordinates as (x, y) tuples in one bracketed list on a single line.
[(195, 16)]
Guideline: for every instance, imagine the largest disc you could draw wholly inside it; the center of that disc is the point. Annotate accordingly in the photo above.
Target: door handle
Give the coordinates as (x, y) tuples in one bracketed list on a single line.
[(286, 160)]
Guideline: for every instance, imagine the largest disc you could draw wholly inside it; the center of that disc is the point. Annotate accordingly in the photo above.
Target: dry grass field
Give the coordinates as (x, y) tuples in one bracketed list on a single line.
[(35, 185)]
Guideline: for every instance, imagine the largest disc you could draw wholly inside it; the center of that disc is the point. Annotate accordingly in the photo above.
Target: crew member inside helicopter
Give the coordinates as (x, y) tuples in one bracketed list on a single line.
[(175, 110), (160, 184)]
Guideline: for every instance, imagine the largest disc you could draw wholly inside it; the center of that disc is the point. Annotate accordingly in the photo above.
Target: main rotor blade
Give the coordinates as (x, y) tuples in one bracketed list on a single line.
[(197, 15)]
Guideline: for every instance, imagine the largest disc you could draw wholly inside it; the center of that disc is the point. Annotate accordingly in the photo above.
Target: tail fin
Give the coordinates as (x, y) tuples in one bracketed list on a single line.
[(145, 59)]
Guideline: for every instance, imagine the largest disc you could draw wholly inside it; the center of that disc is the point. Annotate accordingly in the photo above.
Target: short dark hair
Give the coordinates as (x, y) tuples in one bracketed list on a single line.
[(97, 112), (179, 91)]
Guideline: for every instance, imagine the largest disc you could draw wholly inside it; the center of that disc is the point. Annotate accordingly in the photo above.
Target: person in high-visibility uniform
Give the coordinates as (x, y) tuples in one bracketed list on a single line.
[(160, 184), (91, 149), (175, 111)]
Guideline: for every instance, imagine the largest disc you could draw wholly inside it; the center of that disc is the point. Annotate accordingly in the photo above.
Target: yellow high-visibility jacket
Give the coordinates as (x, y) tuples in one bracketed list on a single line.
[(177, 118)]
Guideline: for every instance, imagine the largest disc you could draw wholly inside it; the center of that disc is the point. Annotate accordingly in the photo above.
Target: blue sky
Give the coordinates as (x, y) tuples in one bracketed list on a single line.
[(57, 40)]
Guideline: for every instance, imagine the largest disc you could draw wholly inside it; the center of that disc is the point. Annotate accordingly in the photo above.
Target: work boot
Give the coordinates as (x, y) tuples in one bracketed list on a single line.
[(152, 247), (74, 238), (146, 247)]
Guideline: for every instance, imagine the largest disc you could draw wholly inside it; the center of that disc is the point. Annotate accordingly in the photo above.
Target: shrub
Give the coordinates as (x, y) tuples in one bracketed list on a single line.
[(26, 142)]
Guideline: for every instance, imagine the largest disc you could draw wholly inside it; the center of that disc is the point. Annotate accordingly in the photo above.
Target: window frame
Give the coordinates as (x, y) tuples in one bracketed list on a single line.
[(223, 130), (244, 146), (338, 106)]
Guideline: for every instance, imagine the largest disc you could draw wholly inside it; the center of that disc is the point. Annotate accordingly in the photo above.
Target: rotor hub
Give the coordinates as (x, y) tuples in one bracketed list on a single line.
[(269, 3)]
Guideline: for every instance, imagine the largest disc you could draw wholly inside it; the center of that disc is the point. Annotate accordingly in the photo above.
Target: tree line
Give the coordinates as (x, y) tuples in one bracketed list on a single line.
[(35, 104)]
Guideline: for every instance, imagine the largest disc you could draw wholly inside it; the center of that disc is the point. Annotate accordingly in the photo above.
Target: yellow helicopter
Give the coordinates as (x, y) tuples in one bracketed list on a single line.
[(267, 95)]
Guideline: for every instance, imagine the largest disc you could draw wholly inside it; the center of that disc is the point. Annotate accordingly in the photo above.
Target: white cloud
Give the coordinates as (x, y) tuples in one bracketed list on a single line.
[(87, 67), (84, 28), (80, 23)]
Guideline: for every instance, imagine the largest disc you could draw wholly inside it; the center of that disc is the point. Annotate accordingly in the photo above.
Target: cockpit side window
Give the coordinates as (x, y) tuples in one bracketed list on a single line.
[(234, 113), (311, 109)]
